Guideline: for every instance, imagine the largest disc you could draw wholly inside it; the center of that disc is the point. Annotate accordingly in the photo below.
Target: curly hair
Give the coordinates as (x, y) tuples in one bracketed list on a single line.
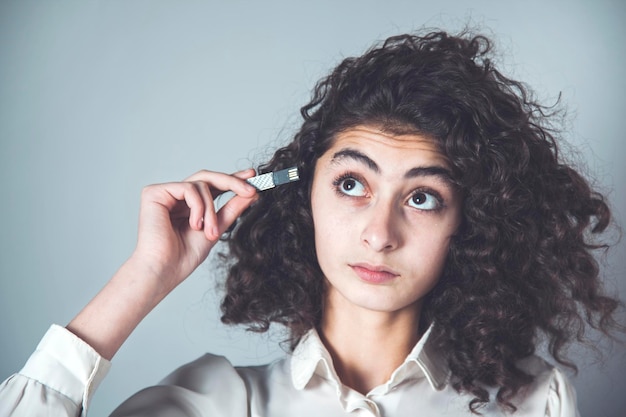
[(521, 266)]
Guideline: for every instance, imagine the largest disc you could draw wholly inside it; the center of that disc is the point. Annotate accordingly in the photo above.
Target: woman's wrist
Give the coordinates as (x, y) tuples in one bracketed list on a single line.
[(110, 317)]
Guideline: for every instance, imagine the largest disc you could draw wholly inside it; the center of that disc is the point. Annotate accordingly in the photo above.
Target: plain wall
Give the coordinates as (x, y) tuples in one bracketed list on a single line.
[(99, 98)]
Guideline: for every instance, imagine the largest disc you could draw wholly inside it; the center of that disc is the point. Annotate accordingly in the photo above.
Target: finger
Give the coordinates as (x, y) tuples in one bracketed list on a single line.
[(208, 216), (170, 195), (220, 182), (194, 200), (245, 174), (231, 211), (180, 200)]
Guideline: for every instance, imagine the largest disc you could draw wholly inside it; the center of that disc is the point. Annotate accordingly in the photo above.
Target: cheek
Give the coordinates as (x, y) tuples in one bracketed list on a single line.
[(328, 228), (429, 251), (320, 227), (324, 211), (331, 232), (324, 246)]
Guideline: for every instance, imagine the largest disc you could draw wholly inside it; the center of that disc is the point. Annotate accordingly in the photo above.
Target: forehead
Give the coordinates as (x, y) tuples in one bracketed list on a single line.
[(403, 148)]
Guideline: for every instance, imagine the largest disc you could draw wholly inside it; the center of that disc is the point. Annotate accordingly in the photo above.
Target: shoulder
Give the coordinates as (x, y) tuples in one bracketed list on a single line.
[(210, 384), (550, 394), (209, 373)]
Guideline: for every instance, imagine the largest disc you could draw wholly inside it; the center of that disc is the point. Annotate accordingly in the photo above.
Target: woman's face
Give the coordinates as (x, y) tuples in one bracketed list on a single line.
[(384, 210)]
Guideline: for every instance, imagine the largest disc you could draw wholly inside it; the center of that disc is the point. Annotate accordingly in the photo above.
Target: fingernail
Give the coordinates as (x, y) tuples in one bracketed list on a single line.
[(201, 222), (215, 232)]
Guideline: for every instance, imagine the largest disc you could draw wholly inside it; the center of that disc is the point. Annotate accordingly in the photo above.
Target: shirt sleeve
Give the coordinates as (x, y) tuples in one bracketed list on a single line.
[(561, 397), (59, 378)]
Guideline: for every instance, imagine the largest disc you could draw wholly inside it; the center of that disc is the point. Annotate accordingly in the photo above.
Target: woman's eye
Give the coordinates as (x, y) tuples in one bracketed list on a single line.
[(424, 201), (352, 187)]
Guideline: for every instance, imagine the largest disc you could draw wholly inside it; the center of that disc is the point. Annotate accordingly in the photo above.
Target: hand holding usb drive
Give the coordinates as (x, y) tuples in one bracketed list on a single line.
[(272, 179)]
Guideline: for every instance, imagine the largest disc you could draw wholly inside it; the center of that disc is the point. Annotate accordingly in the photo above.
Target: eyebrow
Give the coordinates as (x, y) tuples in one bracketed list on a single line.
[(433, 171)]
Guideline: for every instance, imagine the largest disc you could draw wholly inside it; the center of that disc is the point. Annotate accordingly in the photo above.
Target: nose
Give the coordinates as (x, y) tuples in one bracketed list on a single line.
[(382, 230)]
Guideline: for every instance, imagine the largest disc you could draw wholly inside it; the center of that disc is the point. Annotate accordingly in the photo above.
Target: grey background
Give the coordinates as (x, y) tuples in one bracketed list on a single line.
[(98, 99)]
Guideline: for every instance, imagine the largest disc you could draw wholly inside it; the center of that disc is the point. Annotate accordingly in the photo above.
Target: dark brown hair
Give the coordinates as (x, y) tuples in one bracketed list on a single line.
[(521, 266)]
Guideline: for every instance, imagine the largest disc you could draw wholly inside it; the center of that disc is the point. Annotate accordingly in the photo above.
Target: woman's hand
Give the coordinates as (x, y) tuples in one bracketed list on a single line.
[(178, 223), (178, 226)]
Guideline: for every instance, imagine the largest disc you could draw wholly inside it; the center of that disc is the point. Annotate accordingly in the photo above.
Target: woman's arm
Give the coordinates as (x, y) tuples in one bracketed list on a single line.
[(178, 226)]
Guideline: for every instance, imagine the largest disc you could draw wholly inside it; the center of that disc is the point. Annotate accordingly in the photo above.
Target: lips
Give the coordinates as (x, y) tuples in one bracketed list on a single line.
[(374, 274)]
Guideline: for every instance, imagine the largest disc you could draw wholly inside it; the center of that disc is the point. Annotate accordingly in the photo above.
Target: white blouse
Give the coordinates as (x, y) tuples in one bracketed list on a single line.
[(62, 374)]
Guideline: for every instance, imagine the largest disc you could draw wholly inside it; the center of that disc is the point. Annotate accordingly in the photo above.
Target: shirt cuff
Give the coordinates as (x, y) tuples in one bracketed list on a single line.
[(65, 363)]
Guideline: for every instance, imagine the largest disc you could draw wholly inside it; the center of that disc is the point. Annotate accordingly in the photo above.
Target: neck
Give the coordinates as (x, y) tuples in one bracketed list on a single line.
[(367, 346)]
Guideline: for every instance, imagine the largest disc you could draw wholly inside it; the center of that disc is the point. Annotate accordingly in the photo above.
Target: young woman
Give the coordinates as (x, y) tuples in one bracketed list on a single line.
[(435, 237)]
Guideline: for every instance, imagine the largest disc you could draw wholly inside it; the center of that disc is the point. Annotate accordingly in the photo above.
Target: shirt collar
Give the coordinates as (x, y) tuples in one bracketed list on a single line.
[(312, 358)]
